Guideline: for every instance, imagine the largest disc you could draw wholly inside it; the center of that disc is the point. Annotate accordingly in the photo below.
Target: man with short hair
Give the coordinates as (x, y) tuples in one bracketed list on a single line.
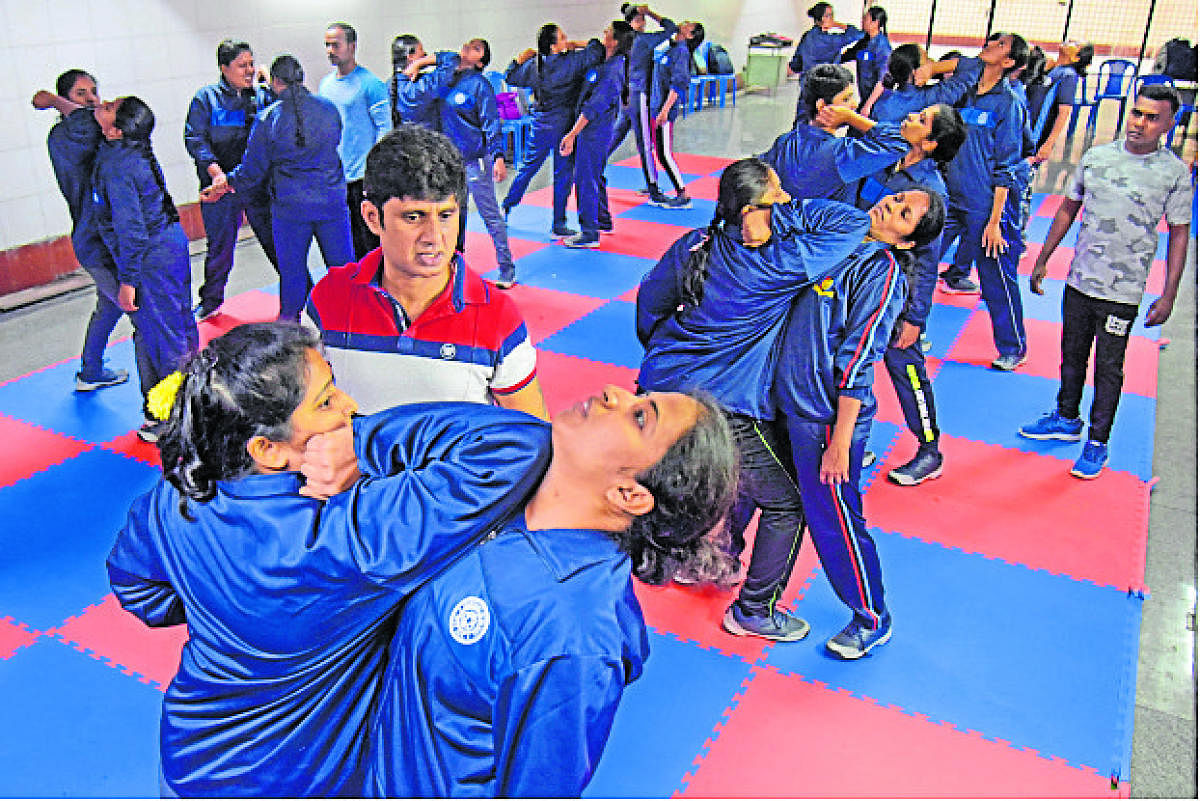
[(1124, 188), (410, 321), (362, 100)]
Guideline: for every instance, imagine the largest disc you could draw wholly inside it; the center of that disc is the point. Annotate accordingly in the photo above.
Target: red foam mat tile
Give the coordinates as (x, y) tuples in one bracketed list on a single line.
[(248, 307), (14, 637), (951, 299), (641, 238), (888, 409), (130, 445), (688, 163), (975, 346), (704, 188), (1057, 267), (566, 380), (117, 637), (481, 251), (29, 449), (548, 311), (630, 296), (850, 747), (1024, 508)]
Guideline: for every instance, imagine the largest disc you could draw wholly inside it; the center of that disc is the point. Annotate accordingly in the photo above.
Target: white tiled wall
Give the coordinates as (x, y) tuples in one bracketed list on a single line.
[(163, 50)]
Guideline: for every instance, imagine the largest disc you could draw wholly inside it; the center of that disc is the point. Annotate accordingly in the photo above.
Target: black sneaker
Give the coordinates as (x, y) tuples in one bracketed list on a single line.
[(563, 230), (148, 431), (925, 465), (202, 311), (106, 378), (778, 626), (958, 285)]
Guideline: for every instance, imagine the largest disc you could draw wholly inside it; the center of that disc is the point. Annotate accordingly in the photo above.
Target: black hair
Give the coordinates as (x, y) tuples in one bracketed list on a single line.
[(902, 63), (818, 11), (1160, 91), (824, 82), (487, 52), (741, 184), (877, 14), (135, 121), (1035, 67), (346, 28), (403, 46), (697, 37), (243, 384), (931, 224), (229, 49), (1084, 59), (546, 39), (286, 69), (625, 35), (693, 485), (949, 131), (1018, 50), (66, 81), (629, 11), (412, 161)]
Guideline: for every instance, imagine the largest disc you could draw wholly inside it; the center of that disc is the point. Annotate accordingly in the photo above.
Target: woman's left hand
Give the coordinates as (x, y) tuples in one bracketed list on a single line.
[(127, 298), (835, 465), (567, 146)]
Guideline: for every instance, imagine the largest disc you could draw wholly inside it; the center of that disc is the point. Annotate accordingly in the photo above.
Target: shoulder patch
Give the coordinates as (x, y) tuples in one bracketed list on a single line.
[(469, 620)]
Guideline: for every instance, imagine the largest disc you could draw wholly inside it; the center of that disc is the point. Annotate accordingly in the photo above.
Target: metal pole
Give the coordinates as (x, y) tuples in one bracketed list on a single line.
[(991, 16), (929, 36), (1067, 24), (1145, 36)]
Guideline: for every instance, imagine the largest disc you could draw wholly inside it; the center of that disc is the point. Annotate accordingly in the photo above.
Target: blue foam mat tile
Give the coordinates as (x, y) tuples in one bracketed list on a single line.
[(592, 273), (665, 719), (524, 222), (1019, 655), (881, 441), (986, 405), (73, 727), (1038, 227), (943, 327), (48, 399), (631, 178), (59, 526), (605, 335), (698, 216)]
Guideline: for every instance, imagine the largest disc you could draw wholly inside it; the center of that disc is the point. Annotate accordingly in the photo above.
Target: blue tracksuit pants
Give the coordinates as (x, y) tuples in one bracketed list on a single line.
[(221, 222), (482, 189), (591, 154), (163, 328), (637, 116), (548, 131), (104, 319), (835, 518), (293, 236)]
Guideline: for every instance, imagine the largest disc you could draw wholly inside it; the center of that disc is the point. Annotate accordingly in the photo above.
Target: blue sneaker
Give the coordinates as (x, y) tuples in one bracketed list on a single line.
[(778, 626), (856, 639), (106, 378), (1053, 425), (1092, 460)]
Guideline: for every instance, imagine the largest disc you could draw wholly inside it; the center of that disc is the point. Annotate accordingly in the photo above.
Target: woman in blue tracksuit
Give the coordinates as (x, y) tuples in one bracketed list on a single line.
[(670, 86), (215, 134), (898, 95), (599, 105), (506, 670), (139, 225), (709, 315), (414, 87), (293, 150), (820, 44), (870, 53), (554, 71), (837, 330), (289, 600), (812, 161), (72, 144), (935, 135), (469, 116), (637, 108)]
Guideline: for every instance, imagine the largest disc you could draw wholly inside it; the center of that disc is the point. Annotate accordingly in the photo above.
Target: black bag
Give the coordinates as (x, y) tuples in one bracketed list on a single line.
[(719, 62), (1181, 60)]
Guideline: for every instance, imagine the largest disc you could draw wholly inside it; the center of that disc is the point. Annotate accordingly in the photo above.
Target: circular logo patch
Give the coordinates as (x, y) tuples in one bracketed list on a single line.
[(448, 351), (469, 620), (459, 98)]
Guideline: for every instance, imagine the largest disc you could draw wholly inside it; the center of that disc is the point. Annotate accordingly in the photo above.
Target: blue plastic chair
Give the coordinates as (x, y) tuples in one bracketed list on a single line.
[(521, 128), (1110, 85), (1185, 109), (496, 79)]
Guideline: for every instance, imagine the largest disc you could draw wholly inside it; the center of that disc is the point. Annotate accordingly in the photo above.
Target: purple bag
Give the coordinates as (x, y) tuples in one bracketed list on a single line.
[(509, 107)]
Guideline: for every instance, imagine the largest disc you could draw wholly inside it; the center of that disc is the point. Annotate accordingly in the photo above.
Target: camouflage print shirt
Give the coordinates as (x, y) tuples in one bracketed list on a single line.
[(1124, 196)]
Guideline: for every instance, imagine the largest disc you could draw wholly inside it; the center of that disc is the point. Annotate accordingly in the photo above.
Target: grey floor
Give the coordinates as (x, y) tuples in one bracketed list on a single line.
[(1164, 743)]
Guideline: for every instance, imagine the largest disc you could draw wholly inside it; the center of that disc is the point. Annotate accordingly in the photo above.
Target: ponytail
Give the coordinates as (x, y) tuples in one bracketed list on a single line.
[(546, 39), (693, 272), (135, 121), (287, 70), (902, 63), (403, 46)]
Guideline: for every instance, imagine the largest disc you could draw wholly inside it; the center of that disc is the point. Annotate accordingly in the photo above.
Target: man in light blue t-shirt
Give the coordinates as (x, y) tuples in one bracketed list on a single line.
[(362, 100)]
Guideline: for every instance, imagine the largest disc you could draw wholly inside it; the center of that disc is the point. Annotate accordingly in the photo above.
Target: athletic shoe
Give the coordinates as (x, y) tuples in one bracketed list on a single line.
[(107, 378), (562, 230), (778, 626), (958, 285), (869, 458), (1008, 362), (1092, 460), (1053, 425), (604, 231), (926, 345), (202, 311), (659, 199), (925, 465), (677, 202), (506, 280), (646, 191), (148, 431), (856, 639), (582, 241)]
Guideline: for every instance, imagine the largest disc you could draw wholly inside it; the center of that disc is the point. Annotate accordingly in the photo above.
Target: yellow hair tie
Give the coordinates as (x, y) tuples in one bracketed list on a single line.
[(162, 396)]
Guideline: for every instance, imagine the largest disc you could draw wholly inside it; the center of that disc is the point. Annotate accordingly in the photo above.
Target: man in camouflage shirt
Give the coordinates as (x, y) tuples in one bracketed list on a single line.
[(1124, 188)]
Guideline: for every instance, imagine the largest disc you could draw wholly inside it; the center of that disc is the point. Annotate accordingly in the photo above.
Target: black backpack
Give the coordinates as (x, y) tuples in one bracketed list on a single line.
[(1181, 60), (719, 62)]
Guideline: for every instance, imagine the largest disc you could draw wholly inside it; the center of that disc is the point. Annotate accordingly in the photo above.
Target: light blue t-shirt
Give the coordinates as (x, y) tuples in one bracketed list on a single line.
[(362, 100)]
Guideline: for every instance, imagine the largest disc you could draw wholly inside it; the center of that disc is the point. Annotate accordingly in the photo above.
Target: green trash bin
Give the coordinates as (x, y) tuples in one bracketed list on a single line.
[(764, 68)]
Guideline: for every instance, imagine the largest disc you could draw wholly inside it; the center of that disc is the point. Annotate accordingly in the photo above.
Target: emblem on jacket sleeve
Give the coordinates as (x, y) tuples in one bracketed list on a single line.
[(469, 620)]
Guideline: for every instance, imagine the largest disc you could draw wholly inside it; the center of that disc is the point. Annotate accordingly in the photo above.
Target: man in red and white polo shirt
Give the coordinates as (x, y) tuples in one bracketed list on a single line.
[(411, 322)]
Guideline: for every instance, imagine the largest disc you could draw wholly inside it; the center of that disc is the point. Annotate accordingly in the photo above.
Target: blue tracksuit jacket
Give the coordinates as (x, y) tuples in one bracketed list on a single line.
[(72, 144), (896, 104), (838, 328), (1061, 84), (728, 344), (506, 670), (988, 159), (813, 163), (305, 182), (290, 602), (417, 100), (600, 97), (128, 207), (218, 125), (557, 85), (871, 63), (821, 47), (923, 173), (470, 117), (641, 55), (672, 70)]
